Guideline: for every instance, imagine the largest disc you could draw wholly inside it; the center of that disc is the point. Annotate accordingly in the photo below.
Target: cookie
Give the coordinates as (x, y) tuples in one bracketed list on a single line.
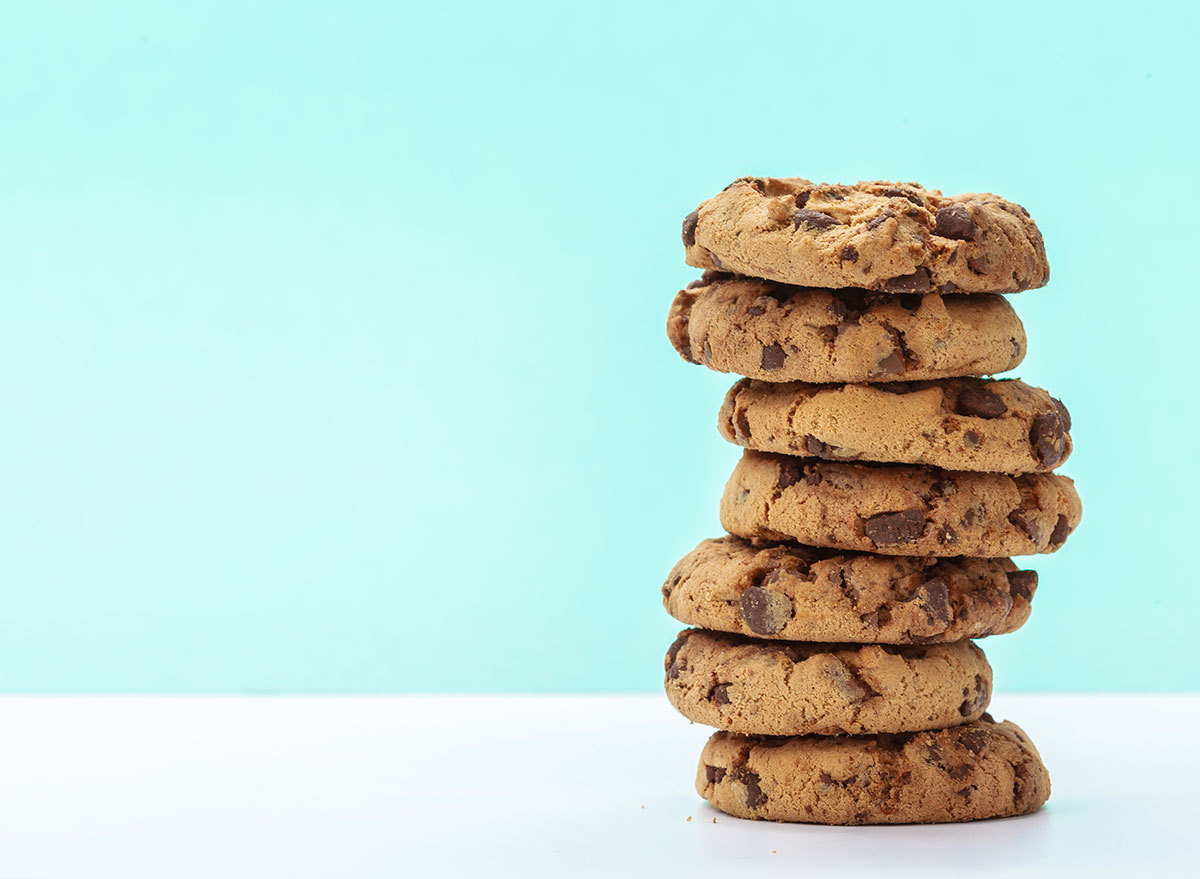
[(1002, 426), (876, 235), (774, 332), (982, 769), (898, 509), (803, 593), (796, 688)]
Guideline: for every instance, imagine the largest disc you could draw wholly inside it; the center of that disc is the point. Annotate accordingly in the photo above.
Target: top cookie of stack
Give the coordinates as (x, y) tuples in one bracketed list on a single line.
[(869, 248)]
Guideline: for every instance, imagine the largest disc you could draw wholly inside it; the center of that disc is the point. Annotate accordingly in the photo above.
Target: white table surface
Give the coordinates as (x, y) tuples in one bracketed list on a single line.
[(416, 786)]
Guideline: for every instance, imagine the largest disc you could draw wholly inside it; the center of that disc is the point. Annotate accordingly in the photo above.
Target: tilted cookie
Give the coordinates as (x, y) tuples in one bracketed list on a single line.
[(795, 688), (876, 235), (780, 333), (898, 509), (978, 770), (1001, 426), (803, 593)]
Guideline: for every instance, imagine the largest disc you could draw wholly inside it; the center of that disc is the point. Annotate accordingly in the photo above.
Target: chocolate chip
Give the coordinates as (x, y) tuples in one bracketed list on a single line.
[(879, 219), (706, 350), (954, 221), (977, 700), (977, 264), (756, 310), (1060, 532), (672, 664), (689, 227), (1021, 584), (714, 774), (692, 285), (816, 219), (970, 439), (802, 197), (790, 472), (893, 364), (1028, 528), (814, 446), (825, 778), (987, 717), (851, 686), (936, 600), (1062, 413), (901, 193), (892, 529), (719, 695), (765, 611), (976, 401), (848, 305), (850, 253), (755, 796), (917, 282), (773, 356), (973, 740), (1048, 438)]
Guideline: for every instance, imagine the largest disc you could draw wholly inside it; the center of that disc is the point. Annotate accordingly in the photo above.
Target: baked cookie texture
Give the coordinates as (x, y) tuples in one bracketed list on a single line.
[(982, 769), (803, 593), (875, 235), (795, 688), (776, 332), (1002, 426), (898, 509)]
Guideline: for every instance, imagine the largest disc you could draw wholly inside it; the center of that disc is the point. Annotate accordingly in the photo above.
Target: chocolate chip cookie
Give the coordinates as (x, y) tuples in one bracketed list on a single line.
[(795, 688), (876, 235), (1002, 426), (982, 769), (898, 509), (775, 332), (803, 593)]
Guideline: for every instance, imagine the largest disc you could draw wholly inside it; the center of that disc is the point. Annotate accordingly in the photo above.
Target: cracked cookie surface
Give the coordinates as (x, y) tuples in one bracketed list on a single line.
[(877, 235), (898, 509), (803, 593), (992, 426), (981, 769), (795, 688), (776, 332)]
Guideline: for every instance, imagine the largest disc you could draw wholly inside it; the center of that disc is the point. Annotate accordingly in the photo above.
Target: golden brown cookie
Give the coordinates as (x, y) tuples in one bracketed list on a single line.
[(876, 235), (978, 770), (803, 593), (749, 685), (898, 509), (1002, 426), (780, 333)]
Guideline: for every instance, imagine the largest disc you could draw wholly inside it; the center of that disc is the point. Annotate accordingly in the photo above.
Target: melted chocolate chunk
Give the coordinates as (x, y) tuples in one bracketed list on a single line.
[(773, 356), (954, 221), (893, 529), (815, 219), (976, 401), (689, 227), (765, 611)]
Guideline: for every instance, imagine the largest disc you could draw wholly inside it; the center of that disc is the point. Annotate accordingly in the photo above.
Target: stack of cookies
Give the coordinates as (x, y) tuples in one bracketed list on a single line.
[(883, 484)]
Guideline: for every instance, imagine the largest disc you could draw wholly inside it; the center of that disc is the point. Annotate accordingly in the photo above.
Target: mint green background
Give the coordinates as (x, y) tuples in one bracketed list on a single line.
[(332, 335)]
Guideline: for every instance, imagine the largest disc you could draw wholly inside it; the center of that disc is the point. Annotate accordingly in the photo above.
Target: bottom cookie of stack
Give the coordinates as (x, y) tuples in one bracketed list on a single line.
[(981, 769)]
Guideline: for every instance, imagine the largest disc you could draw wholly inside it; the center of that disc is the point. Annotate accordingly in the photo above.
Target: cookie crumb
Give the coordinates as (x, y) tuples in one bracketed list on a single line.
[(689, 817), (714, 820)]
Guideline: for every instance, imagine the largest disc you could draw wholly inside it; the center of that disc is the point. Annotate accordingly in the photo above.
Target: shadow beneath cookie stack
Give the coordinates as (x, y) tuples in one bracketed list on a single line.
[(884, 483)]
